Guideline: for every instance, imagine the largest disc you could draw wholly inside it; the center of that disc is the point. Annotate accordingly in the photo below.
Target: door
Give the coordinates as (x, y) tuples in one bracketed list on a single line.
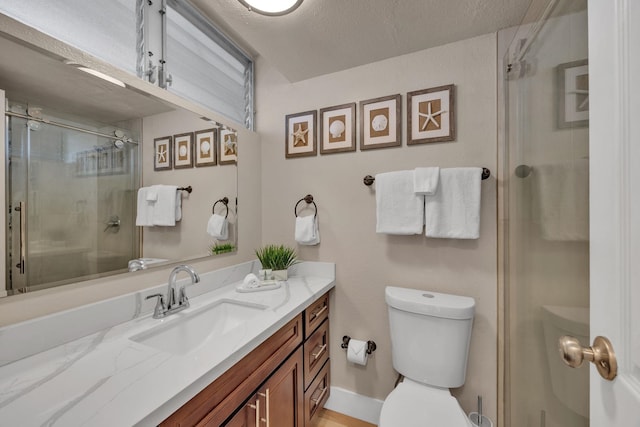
[(614, 52)]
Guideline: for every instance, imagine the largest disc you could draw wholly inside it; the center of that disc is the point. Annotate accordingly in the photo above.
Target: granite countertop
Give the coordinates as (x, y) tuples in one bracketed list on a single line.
[(106, 379)]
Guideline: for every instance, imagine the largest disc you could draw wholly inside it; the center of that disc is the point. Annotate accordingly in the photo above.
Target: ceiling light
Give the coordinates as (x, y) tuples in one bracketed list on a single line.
[(271, 7), (102, 76)]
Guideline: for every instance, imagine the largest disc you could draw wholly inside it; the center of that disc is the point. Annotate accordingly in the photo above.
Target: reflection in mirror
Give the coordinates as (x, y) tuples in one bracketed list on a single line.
[(78, 149)]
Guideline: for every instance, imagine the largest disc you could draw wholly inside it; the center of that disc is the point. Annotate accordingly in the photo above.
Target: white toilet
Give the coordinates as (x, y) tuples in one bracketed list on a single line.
[(430, 334)]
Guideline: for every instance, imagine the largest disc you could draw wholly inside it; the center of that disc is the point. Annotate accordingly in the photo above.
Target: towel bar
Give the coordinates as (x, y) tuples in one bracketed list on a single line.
[(368, 180), (187, 189), (225, 202), (309, 199)]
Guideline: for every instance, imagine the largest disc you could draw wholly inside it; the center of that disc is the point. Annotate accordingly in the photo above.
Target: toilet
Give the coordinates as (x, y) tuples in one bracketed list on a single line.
[(430, 334)]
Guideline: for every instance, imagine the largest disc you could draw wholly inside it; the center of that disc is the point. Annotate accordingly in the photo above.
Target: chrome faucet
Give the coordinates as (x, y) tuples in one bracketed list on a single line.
[(171, 306)]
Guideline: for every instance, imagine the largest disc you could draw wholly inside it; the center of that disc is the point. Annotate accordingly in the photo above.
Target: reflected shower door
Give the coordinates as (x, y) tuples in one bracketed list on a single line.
[(547, 241), (72, 214)]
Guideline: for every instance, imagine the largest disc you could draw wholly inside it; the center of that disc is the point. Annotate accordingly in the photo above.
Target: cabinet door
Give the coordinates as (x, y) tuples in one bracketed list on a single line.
[(248, 416), (283, 395)]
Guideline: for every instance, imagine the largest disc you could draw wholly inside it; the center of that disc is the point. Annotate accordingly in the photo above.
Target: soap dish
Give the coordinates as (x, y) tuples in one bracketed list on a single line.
[(265, 285)]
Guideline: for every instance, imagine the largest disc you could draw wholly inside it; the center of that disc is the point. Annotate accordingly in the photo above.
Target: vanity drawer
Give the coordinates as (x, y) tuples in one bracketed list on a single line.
[(317, 394), (315, 314), (316, 353)]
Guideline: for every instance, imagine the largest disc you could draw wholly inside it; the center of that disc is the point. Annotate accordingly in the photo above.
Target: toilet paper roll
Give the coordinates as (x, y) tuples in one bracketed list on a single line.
[(357, 352)]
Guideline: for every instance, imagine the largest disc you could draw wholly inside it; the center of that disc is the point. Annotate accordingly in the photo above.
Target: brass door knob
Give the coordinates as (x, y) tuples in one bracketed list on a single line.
[(600, 354)]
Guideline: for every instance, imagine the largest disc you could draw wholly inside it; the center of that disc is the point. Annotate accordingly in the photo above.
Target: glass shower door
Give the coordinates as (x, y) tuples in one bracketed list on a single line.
[(72, 205), (547, 233)]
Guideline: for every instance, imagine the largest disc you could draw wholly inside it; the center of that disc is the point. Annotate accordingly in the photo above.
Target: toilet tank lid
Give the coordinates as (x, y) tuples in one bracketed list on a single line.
[(430, 303)]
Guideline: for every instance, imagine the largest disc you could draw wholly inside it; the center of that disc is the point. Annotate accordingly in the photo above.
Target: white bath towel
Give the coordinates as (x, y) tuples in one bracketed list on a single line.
[(398, 209), (454, 211), (218, 227), (164, 211), (144, 211), (425, 180), (307, 232), (561, 200), (250, 281), (178, 205)]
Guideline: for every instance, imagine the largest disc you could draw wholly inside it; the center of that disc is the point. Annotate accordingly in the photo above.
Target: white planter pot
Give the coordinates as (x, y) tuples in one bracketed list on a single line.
[(280, 274)]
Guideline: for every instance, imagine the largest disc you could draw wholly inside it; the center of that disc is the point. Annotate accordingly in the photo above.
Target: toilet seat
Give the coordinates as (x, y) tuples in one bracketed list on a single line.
[(412, 404)]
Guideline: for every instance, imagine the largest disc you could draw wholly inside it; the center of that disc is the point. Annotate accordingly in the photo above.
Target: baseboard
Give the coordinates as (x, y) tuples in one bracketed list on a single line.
[(354, 405)]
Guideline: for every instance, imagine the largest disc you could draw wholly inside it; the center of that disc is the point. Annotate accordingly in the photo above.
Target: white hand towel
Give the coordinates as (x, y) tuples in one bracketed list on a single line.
[(178, 205), (152, 195), (144, 211), (454, 211), (250, 281), (307, 232), (164, 212), (218, 227), (398, 209), (425, 180), (561, 200)]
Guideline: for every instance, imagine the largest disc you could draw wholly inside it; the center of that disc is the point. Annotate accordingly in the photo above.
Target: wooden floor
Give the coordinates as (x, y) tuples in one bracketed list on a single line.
[(328, 418)]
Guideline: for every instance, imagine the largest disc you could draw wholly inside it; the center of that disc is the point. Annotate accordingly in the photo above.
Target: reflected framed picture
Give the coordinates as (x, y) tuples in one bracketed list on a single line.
[(300, 135), (228, 146), (573, 94), (431, 115), (183, 150), (338, 129), (206, 147), (163, 150), (380, 122)]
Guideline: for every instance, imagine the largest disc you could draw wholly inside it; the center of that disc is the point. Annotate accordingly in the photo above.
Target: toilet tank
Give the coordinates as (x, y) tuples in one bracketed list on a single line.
[(430, 335)]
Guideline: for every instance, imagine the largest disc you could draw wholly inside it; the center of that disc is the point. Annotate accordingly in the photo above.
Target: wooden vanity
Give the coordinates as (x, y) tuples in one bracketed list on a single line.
[(282, 383)]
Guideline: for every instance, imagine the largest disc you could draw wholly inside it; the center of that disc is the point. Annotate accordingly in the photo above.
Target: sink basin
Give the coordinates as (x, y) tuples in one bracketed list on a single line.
[(183, 332)]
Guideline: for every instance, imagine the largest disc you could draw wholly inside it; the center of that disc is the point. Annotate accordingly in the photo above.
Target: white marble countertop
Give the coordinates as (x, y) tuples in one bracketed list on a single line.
[(106, 379)]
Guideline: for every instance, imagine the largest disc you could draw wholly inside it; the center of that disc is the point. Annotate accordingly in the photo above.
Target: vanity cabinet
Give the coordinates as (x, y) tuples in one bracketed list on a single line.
[(282, 383)]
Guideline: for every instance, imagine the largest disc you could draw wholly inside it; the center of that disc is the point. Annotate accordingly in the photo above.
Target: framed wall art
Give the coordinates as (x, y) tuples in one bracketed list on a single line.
[(228, 146), (573, 94), (431, 115), (163, 150), (206, 147), (338, 129), (300, 135), (183, 150), (380, 122)]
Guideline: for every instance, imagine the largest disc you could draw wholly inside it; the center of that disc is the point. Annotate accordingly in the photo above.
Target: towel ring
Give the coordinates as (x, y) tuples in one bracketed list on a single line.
[(309, 199), (225, 202)]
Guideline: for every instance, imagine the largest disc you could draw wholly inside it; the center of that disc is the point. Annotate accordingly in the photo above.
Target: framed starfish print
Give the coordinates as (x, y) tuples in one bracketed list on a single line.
[(162, 160), (431, 115), (300, 135)]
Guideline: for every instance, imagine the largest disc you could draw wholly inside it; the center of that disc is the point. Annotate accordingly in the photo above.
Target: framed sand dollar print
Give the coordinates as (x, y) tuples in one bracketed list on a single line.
[(380, 122)]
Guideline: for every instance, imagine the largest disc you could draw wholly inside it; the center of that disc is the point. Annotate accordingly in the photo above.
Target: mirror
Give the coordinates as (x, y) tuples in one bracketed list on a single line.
[(79, 147)]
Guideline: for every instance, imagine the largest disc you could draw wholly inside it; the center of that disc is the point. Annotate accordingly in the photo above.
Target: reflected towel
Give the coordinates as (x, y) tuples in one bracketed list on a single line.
[(218, 227), (454, 211), (425, 180), (398, 209), (164, 211), (144, 211), (561, 200), (307, 232)]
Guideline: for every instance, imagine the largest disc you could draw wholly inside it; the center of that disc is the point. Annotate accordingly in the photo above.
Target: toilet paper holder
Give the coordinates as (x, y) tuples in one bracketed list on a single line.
[(371, 346)]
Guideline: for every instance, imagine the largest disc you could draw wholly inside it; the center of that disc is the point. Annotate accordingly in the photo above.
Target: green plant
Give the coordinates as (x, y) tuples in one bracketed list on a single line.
[(276, 257), (221, 248)]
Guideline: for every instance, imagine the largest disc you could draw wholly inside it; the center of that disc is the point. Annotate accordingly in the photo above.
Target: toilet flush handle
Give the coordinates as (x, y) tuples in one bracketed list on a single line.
[(600, 354)]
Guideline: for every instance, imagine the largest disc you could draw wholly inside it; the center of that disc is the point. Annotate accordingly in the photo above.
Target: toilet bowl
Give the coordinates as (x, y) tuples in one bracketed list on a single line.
[(412, 404), (430, 335)]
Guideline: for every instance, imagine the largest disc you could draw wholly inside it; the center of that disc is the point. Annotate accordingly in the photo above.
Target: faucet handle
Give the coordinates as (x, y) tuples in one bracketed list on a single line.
[(183, 298), (160, 308)]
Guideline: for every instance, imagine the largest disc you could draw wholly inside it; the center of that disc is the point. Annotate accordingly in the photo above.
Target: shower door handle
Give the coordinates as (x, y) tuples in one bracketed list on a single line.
[(600, 354), (23, 235)]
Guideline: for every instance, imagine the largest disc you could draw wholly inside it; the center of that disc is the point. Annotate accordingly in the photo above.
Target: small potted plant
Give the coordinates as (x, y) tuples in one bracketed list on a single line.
[(277, 258), (221, 248)]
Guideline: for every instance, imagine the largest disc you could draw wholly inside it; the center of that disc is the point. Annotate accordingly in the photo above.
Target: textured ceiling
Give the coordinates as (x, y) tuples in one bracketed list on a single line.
[(325, 36)]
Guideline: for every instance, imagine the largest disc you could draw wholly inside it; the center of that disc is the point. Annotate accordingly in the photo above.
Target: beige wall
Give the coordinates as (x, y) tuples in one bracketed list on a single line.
[(366, 261)]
